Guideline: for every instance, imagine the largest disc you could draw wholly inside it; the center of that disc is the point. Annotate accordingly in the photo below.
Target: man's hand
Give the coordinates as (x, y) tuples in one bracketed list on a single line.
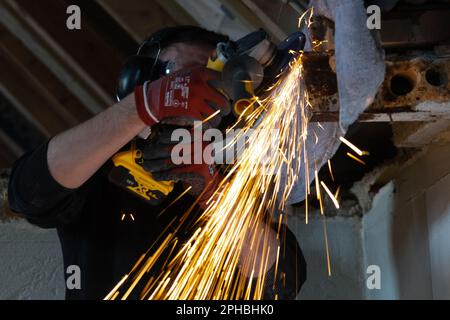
[(182, 98), (202, 178)]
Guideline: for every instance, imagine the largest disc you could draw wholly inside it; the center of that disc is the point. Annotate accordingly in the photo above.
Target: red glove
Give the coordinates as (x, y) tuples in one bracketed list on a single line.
[(181, 98)]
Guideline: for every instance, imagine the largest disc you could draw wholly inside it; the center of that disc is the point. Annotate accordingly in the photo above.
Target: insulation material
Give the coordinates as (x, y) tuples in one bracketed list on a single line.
[(360, 66), (360, 71)]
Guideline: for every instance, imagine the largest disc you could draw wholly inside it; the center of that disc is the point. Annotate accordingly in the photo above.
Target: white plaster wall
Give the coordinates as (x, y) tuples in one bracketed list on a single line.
[(396, 240), (377, 234), (345, 247), (438, 214), (407, 231), (30, 262)]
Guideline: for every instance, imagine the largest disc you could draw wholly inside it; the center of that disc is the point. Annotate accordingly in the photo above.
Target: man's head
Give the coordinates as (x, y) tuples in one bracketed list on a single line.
[(186, 55), (180, 47), (183, 45)]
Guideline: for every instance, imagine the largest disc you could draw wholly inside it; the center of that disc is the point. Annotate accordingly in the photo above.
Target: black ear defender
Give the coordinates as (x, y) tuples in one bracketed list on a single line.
[(146, 65), (137, 70), (143, 66)]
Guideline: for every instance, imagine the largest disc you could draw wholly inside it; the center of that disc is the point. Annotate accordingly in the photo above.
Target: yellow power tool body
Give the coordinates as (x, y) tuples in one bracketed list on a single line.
[(129, 174)]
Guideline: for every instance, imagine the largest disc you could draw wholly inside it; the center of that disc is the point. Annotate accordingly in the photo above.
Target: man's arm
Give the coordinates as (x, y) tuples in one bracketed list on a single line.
[(76, 154), (48, 185)]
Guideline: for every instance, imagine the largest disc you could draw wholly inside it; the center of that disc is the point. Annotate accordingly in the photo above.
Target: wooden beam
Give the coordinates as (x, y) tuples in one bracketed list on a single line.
[(177, 12), (139, 17), (284, 15), (214, 15), (87, 48), (27, 78), (252, 14), (16, 126), (97, 18), (53, 56), (28, 95), (66, 104), (265, 18)]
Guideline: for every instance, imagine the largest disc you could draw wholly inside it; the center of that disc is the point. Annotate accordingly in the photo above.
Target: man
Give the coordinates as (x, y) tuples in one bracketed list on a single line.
[(63, 184)]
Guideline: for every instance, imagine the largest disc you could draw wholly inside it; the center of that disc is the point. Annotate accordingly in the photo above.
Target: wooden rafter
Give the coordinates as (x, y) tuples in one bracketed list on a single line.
[(85, 47), (53, 56), (177, 12), (29, 95), (252, 14), (139, 17), (67, 104)]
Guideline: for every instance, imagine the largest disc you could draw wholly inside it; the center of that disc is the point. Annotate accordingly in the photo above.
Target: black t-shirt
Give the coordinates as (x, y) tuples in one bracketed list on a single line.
[(102, 228)]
